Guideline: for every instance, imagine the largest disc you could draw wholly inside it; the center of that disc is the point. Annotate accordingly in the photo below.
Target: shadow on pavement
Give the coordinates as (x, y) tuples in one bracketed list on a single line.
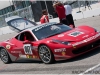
[(28, 61)]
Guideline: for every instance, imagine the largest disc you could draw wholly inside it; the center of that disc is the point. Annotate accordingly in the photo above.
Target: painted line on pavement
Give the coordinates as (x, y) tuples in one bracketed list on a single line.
[(90, 69)]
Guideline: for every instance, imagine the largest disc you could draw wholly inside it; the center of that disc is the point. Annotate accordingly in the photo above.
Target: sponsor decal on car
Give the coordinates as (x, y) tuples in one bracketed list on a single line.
[(86, 40), (85, 36), (76, 33), (8, 46), (42, 26), (60, 50), (34, 47), (61, 35), (22, 56), (54, 27), (29, 56), (27, 49), (34, 57), (15, 51)]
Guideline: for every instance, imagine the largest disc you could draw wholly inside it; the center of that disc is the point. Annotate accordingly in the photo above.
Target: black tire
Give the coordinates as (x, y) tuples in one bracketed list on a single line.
[(5, 56), (45, 54)]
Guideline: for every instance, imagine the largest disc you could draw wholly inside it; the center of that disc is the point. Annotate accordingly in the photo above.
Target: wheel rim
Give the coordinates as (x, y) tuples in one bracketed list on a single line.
[(4, 56), (45, 54)]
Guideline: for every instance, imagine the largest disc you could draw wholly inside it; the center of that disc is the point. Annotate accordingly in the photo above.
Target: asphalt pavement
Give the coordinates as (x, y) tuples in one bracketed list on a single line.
[(75, 65)]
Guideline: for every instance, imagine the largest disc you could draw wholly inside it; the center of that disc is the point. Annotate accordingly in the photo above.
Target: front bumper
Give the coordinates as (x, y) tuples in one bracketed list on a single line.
[(78, 50)]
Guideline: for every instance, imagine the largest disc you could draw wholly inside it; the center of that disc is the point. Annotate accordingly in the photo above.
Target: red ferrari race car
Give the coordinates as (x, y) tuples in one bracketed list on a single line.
[(47, 42)]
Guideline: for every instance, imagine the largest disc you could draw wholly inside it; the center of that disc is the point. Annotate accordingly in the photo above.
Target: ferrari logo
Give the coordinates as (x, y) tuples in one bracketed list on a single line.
[(8, 46), (63, 53)]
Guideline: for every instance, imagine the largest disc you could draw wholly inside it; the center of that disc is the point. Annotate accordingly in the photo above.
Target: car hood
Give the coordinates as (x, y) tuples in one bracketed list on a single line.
[(76, 34)]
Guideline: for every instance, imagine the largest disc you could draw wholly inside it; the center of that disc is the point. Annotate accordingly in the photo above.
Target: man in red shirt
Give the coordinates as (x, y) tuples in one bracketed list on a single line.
[(44, 18), (60, 10)]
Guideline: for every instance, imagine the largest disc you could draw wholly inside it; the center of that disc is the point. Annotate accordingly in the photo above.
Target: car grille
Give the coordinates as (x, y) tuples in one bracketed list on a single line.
[(87, 47)]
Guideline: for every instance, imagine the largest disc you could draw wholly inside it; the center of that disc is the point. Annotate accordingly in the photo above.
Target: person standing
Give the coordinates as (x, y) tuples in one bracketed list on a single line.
[(87, 4), (60, 10), (69, 17), (44, 18)]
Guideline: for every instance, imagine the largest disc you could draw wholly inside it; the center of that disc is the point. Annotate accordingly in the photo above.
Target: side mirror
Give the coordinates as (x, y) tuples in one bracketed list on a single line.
[(26, 42)]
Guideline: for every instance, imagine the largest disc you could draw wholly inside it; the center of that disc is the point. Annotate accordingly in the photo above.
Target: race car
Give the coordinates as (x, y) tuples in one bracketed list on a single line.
[(47, 42)]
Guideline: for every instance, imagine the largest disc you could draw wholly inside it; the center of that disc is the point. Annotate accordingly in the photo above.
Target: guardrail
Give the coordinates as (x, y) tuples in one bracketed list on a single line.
[(25, 12)]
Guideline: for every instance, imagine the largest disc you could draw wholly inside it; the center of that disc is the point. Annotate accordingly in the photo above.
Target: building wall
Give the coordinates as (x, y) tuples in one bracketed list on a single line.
[(49, 6), (37, 10)]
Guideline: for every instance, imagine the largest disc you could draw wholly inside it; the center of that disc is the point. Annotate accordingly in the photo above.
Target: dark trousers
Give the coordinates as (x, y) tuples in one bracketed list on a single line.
[(64, 21), (70, 20)]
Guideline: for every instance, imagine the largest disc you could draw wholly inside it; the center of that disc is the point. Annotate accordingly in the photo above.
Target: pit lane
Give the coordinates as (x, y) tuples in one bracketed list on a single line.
[(72, 66)]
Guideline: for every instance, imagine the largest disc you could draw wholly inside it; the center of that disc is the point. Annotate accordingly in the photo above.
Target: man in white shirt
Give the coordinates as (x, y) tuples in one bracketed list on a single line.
[(69, 17)]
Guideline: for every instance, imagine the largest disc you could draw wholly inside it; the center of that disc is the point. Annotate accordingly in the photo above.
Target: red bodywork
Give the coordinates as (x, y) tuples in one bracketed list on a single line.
[(86, 41)]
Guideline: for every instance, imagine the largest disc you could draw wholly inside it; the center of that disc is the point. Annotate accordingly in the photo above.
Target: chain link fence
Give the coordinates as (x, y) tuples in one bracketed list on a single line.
[(25, 12)]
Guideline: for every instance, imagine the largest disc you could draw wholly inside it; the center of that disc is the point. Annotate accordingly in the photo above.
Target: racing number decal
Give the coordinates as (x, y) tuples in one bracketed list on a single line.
[(27, 49)]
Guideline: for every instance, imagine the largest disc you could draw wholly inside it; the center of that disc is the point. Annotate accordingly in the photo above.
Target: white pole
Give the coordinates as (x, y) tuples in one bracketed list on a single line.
[(78, 4), (46, 6), (10, 5)]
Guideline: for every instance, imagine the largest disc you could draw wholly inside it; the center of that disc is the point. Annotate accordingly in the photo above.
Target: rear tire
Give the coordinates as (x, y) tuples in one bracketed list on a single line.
[(46, 55), (5, 56)]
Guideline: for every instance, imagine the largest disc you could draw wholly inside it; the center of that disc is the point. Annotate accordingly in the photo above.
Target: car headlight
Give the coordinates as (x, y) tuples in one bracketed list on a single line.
[(61, 42)]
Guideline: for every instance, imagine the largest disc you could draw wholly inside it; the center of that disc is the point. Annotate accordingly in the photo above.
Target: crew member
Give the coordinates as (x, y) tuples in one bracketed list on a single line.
[(44, 18)]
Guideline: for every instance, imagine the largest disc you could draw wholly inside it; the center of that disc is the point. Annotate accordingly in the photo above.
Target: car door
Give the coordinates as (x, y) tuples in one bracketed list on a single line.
[(24, 45), (17, 47)]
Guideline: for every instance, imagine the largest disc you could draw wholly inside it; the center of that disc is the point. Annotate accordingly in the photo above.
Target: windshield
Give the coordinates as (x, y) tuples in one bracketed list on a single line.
[(48, 30), (21, 23)]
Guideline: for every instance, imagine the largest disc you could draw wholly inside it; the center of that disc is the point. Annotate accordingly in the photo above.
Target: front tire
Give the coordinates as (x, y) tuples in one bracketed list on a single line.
[(5, 56), (45, 54)]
